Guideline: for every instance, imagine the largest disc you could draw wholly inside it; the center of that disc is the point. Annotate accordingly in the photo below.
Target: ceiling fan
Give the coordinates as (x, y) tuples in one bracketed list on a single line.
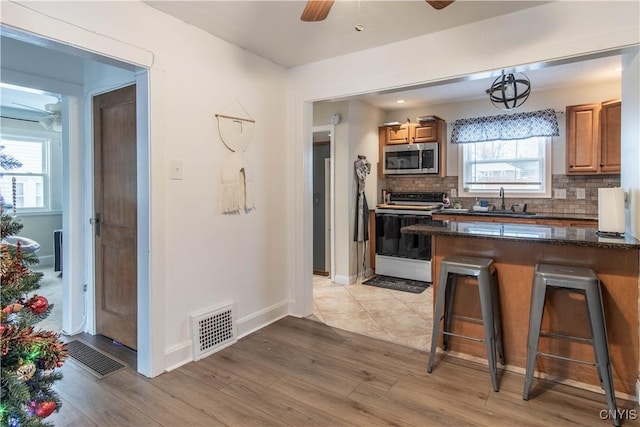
[(53, 115), (317, 10)]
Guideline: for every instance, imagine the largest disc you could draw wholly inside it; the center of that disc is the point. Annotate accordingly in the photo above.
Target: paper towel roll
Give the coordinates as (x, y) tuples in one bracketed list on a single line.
[(611, 210)]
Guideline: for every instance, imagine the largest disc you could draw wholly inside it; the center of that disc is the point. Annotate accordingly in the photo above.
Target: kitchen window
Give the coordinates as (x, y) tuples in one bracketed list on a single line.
[(32, 178), (521, 166), (510, 151)]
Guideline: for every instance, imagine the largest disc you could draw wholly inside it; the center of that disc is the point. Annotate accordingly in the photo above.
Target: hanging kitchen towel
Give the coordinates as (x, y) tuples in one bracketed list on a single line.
[(236, 187), (611, 210), (362, 168)]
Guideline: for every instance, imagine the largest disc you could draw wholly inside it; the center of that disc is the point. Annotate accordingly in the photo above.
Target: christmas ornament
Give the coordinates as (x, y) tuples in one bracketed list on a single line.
[(25, 372), (38, 304), (13, 421), (12, 308), (44, 409)]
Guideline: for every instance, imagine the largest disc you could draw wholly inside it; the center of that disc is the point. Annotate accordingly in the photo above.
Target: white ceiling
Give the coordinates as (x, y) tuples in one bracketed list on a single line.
[(273, 30)]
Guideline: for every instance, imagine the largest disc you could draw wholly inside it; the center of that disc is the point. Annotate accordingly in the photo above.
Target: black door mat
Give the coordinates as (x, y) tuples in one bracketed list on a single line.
[(397, 284), (93, 360)]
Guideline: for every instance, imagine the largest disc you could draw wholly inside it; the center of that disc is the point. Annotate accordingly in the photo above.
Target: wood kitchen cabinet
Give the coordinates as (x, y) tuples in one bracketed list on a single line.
[(430, 129), (610, 131), (593, 138)]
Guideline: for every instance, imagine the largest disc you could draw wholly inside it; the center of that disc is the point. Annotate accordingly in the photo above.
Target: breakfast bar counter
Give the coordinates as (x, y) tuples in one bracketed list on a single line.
[(516, 249)]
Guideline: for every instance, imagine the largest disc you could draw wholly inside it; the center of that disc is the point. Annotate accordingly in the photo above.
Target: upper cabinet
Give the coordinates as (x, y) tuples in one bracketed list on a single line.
[(593, 138), (427, 129), (610, 128), (398, 134), (430, 129)]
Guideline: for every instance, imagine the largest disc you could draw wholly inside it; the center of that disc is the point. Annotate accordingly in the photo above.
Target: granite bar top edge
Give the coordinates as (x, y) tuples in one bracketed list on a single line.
[(568, 236), (541, 215)]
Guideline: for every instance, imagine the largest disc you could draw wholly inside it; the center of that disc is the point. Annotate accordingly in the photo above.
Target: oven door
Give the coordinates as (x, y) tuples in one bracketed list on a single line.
[(414, 246), (390, 242), (387, 234)]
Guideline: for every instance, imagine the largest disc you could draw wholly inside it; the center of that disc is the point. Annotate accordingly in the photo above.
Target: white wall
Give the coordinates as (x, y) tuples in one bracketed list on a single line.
[(543, 33), (357, 134), (199, 258), (630, 178), (557, 99), (363, 140)]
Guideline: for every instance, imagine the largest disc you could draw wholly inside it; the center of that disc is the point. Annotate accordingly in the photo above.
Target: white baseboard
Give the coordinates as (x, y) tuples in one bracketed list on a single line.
[(262, 318), (178, 355), (344, 280), (182, 353)]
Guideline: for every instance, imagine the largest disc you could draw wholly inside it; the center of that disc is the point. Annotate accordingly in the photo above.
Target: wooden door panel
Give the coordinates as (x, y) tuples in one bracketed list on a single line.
[(583, 138), (611, 125), (115, 194)]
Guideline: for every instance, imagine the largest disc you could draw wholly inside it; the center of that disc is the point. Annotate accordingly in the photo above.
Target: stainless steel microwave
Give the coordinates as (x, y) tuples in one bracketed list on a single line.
[(410, 158)]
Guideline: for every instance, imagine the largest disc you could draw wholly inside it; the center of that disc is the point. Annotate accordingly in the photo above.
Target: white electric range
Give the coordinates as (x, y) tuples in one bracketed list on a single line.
[(407, 256)]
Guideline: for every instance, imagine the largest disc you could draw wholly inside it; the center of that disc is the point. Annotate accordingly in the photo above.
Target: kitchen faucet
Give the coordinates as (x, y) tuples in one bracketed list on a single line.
[(502, 199)]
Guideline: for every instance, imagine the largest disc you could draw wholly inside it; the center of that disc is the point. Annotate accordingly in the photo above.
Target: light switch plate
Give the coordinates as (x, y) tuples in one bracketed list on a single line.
[(454, 192), (559, 193), (175, 167), (580, 193)]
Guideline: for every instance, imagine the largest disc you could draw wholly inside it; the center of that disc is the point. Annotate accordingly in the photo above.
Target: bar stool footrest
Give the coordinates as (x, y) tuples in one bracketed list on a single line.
[(569, 337), (568, 359), (467, 319), (463, 336)]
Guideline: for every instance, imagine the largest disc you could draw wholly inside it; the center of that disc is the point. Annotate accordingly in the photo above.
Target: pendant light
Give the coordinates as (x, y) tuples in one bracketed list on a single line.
[(509, 91)]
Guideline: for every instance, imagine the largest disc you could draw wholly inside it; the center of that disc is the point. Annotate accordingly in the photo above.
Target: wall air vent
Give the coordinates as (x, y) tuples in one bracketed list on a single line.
[(213, 330)]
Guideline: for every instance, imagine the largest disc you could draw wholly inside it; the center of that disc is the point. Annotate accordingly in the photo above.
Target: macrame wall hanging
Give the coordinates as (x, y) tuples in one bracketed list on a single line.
[(236, 186)]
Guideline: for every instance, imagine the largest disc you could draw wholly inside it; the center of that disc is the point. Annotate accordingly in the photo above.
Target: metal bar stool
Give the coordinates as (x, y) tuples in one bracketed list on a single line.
[(585, 282), (485, 273)]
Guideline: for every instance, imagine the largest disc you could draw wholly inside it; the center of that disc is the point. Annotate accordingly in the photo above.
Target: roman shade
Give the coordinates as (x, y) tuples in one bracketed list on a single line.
[(505, 127)]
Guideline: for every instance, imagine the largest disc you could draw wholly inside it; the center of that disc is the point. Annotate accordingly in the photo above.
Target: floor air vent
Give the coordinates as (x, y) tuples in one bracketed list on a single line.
[(212, 331), (93, 360)]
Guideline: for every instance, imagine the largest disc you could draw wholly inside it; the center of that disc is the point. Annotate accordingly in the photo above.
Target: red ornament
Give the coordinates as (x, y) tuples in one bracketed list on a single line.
[(38, 304), (44, 409)]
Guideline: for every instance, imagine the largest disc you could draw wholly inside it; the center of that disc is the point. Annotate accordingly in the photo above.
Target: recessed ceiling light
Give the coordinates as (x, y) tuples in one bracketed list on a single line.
[(400, 101)]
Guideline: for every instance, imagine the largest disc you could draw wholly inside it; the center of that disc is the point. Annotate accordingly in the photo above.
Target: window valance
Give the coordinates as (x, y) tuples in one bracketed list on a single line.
[(505, 127)]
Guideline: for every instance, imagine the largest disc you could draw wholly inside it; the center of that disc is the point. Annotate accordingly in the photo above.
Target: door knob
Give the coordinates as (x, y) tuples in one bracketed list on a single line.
[(96, 223)]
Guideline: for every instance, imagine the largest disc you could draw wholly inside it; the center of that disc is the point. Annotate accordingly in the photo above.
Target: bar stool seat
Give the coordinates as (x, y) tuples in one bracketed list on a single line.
[(484, 271), (578, 280)]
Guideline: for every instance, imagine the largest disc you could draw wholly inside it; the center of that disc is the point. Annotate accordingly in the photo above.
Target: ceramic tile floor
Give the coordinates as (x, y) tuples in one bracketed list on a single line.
[(400, 317)]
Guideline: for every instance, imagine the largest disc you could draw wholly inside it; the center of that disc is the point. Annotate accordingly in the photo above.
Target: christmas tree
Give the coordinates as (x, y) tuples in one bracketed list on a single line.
[(29, 357)]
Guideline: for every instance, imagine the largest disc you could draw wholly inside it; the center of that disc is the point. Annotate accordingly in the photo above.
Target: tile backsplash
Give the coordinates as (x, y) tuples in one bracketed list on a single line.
[(570, 205)]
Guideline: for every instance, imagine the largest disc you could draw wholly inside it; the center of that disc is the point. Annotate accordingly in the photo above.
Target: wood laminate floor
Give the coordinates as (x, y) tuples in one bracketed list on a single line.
[(299, 372)]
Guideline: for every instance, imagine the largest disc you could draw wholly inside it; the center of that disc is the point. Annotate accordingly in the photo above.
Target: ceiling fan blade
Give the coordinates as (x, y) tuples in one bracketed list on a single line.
[(32, 108), (439, 4), (316, 10)]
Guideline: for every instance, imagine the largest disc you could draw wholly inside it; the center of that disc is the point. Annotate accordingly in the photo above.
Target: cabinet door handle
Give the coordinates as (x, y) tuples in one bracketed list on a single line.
[(601, 165), (570, 166)]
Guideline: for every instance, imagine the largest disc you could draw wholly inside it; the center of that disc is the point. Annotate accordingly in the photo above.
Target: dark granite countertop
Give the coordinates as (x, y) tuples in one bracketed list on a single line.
[(577, 236), (541, 215)]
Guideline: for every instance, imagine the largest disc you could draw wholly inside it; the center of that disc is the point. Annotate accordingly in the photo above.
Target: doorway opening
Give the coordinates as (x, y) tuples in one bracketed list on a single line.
[(87, 73), (322, 202)]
